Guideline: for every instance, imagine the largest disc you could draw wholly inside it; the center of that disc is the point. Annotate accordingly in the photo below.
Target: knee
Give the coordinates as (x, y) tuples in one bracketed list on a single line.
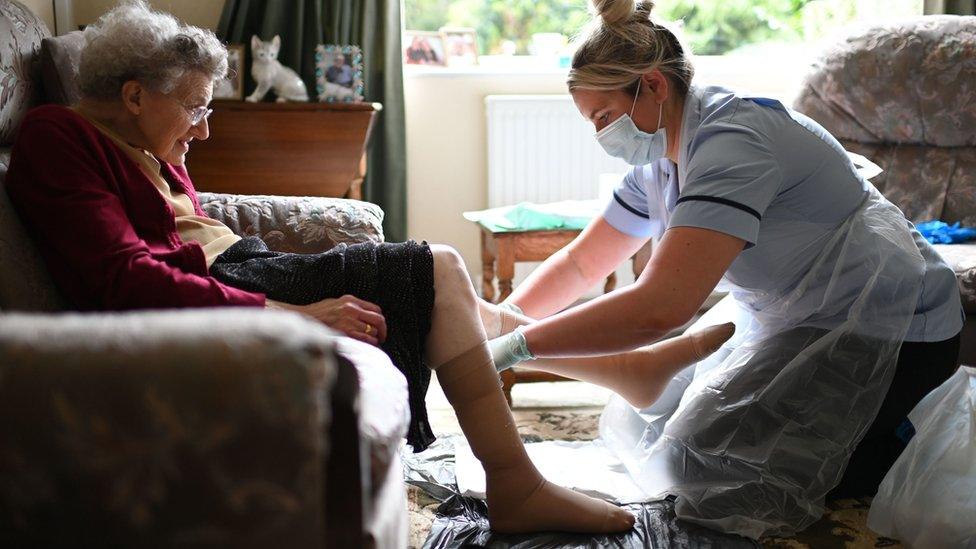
[(449, 268), (447, 261)]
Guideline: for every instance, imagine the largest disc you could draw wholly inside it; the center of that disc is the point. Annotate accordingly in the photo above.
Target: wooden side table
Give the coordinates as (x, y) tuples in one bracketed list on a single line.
[(297, 149), (499, 253)]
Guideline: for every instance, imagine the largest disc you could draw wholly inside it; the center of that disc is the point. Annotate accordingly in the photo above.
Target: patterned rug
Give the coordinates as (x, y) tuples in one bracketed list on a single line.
[(843, 525)]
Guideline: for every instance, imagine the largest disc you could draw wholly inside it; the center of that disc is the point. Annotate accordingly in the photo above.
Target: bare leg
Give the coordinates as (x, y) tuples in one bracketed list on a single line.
[(639, 375), (519, 498)]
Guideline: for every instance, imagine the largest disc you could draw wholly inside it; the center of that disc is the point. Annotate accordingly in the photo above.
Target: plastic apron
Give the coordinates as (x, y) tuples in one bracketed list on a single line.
[(751, 439)]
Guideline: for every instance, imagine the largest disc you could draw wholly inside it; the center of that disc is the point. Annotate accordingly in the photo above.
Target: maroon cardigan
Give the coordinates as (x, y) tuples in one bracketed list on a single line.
[(108, 237)]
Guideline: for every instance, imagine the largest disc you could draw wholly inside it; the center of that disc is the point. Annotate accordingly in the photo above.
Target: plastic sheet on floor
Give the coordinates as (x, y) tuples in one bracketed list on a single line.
[(462, 520)]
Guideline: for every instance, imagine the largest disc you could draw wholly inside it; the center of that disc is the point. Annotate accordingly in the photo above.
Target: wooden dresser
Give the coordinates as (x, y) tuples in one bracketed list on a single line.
[(291, 149)]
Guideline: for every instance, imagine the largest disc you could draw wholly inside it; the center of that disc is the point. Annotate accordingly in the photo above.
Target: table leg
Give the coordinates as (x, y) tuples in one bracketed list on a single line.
[(610, 284), (506, 267), (487, 270)]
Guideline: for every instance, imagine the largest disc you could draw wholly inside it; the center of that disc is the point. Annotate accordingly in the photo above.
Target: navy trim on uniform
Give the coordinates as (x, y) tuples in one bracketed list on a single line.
[(628, 207), (719, 200)]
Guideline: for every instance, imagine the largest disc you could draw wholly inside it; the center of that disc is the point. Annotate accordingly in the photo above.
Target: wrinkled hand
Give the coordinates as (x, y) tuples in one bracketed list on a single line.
[(348, 314)]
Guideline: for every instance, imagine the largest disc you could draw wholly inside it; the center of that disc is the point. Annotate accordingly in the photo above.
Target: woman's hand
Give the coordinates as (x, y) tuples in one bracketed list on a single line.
[(348, 314)]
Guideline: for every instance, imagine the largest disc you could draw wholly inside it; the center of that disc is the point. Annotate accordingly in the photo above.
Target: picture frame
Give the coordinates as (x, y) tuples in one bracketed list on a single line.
[(231, 86), (424, 48), (460, 46), (339, 73)]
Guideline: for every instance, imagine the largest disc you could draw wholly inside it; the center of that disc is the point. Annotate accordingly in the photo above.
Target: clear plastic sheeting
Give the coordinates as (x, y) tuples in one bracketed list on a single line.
[(462, 521), (751, 439), (928, 498)]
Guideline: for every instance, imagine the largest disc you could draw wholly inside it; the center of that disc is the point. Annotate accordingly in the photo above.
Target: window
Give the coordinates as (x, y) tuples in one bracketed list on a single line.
[(711, 27)]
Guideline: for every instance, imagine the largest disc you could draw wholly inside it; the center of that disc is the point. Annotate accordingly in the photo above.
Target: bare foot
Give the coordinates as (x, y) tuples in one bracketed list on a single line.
[(646, 371), (520, 500)]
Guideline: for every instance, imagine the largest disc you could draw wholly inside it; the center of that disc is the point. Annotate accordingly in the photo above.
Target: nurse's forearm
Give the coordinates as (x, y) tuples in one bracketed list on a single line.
[(616, 322), (686, 267), (553, 286)]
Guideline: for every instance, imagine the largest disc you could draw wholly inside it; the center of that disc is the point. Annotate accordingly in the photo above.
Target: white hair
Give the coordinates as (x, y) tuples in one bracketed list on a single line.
[(134, 42)]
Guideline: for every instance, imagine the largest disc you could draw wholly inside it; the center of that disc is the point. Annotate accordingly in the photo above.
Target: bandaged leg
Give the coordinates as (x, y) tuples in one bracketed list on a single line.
[(519, 498), (638, 376)]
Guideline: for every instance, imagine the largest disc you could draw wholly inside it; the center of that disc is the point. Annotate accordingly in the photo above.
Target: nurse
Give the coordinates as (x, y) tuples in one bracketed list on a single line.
[(845, 317)]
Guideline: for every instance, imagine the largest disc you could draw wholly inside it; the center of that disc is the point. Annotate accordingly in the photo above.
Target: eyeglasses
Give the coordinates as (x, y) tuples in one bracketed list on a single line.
[(197, 114)]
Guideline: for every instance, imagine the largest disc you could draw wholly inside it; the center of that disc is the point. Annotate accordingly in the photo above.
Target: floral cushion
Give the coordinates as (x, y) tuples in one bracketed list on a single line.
[(297, 224), (910, 82), (902, 95), (21, 33), (925, 182)]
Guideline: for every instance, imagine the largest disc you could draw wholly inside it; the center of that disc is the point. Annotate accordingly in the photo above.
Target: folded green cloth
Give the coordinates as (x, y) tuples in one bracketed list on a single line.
[(526, 216)]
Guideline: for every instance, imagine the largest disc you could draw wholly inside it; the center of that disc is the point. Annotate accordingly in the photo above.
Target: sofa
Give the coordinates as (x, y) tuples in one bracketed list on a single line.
[(904, 95), (206, 427)]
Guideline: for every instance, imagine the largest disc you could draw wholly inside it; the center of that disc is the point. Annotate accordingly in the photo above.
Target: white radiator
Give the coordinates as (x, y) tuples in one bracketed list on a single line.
[(540, 149)]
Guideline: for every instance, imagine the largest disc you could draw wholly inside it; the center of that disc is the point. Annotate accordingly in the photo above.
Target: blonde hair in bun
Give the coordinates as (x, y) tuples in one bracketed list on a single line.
[(623, 42), (614, 12)]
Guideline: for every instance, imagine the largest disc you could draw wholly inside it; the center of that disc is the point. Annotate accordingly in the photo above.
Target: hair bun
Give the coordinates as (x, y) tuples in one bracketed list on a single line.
[(617, 11), (645, 6)]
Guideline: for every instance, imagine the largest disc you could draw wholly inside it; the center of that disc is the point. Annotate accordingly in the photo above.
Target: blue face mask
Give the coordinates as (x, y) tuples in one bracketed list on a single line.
[(624, 140)]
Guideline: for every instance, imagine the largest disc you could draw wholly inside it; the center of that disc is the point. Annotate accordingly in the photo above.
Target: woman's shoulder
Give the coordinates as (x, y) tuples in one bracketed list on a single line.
[(725, 121), (52, 122), (720, 106)]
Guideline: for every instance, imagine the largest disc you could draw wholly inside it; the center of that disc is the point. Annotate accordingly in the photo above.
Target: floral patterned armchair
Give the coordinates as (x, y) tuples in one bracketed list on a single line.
[(208, 427), (904, 95)]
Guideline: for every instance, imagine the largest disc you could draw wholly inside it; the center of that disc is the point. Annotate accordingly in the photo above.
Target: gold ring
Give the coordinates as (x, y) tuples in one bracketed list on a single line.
[(369, 329)]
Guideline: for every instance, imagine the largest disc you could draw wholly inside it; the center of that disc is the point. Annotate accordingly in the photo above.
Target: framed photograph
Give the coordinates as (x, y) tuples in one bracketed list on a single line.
[(461, 46), (423, 48), (232, 85), (339, 73)]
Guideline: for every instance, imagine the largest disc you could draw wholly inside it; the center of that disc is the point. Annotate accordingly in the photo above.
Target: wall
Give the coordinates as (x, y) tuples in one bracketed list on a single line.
[(447, 149), (43, 9)]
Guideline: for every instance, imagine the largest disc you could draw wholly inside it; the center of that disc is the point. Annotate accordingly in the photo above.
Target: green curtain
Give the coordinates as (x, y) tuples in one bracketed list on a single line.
[(373, 25), (953, 7)]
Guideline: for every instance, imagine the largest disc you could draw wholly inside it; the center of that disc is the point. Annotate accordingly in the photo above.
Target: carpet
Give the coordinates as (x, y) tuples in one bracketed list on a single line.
[(559, 411)]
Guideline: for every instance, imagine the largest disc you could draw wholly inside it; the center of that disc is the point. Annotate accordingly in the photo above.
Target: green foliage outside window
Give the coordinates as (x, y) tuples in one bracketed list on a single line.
[(711, 27)]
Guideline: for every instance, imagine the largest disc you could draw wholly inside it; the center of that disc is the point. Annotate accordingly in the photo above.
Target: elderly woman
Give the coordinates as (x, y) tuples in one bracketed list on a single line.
[(103, 189)]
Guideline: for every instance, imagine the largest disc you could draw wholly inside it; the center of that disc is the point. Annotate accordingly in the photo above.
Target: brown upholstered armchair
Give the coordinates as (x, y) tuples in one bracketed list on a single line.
[(904, 95), (208, 427)]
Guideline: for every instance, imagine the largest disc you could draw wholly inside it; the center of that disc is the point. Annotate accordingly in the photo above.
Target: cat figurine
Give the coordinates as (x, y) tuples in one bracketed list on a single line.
[(270, 74)]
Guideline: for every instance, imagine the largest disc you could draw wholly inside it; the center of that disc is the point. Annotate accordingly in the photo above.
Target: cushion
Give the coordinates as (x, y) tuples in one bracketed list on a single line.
[(25, 284), (906, 82), (925, 182), (962, 259), (21, 33), (60, 57)]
